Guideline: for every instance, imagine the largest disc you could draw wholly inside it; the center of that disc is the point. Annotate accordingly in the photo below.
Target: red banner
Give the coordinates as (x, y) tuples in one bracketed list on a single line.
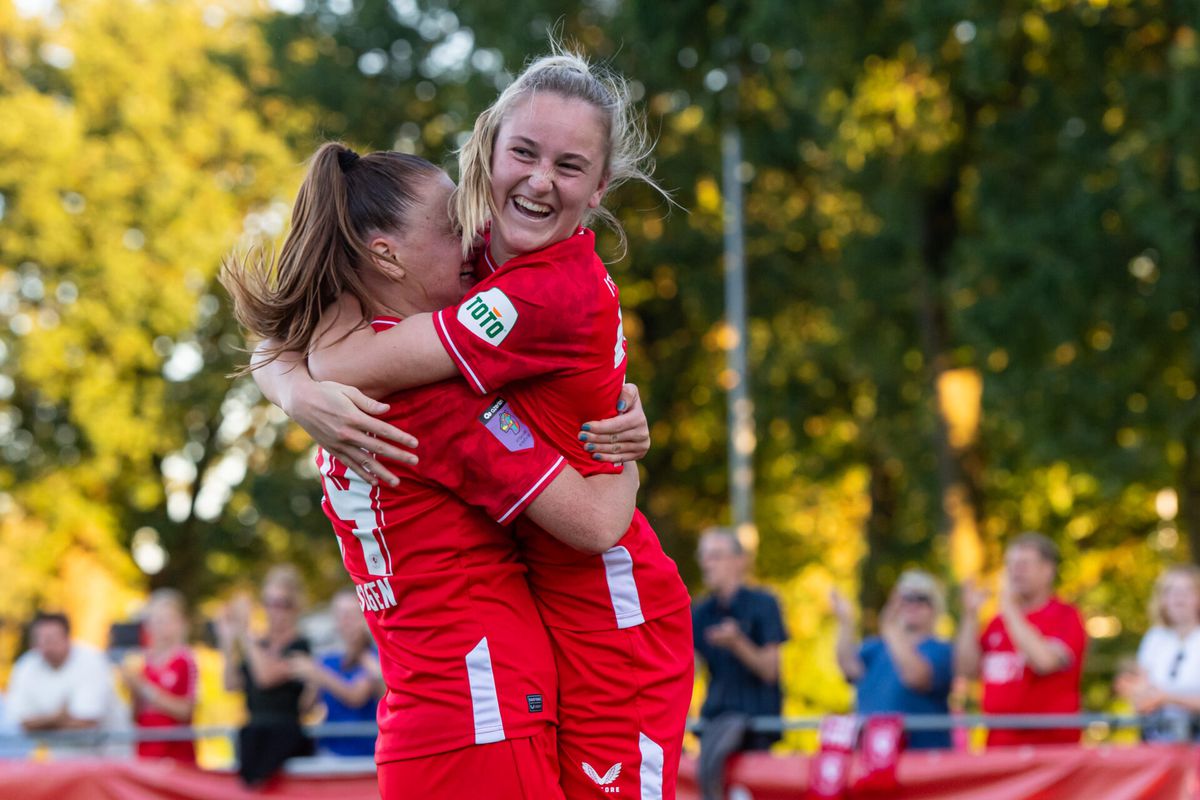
[(164, 780), (1146, 772)]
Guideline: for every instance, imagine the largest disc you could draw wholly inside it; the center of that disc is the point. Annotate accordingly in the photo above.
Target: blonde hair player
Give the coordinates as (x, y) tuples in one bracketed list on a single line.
[(543, 328), (472, 685)]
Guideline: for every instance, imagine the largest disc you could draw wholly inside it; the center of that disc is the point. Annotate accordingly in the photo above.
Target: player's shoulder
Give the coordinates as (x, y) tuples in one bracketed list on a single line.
[(571, 262)]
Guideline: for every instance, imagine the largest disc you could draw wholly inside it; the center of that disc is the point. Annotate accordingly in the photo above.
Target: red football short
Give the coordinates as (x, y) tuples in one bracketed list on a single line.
[(514, 769), (623, 698)]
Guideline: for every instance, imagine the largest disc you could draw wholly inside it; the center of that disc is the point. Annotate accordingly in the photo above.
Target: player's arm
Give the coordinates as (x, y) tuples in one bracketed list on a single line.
[(589, 514), (406, 355), (337, 417)]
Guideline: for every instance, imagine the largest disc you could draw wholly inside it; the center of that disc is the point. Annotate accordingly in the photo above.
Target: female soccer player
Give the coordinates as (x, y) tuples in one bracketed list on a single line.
[(543, 326), (472, 694)]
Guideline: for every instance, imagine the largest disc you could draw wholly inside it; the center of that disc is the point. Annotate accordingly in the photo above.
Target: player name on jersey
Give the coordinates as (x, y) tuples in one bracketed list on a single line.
[(375, 596)]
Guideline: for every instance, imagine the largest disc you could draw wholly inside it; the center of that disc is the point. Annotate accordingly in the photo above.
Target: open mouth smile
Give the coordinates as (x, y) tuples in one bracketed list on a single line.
[(530, 209)]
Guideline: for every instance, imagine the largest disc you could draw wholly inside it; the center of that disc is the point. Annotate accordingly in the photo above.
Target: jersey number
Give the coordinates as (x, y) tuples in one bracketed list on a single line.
[(356, 503)]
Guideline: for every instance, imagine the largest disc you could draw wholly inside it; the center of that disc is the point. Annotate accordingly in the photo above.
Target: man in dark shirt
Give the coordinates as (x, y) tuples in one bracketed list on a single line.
[(738, 631)]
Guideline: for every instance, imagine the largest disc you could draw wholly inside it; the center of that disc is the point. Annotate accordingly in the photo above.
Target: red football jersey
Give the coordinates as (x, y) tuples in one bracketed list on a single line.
[(175, 674), (464, 654), (546, 326), (1011, 687)]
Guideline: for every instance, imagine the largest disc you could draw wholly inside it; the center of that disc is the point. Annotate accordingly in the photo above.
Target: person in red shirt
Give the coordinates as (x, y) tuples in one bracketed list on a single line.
[(472, 692), (1030, 656), (164, 687), (543, 326)]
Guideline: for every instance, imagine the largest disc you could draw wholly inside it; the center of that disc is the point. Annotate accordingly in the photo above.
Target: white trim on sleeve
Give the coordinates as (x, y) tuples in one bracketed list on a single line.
[(456, 355), (503, 519)]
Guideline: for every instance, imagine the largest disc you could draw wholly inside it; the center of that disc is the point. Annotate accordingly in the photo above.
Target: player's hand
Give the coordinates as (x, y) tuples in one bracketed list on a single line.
[(339, 419), (625, 437)]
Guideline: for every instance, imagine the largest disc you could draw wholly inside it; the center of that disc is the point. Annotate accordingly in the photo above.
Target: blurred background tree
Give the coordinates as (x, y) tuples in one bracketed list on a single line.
[(972, 280)]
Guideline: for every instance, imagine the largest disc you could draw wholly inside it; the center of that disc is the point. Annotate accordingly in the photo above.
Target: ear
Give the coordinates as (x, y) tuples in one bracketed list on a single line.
[(386, 251), (598, 195)]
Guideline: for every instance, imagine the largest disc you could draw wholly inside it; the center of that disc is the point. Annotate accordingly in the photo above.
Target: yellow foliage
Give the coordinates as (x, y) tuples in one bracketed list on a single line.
[(123, 187)]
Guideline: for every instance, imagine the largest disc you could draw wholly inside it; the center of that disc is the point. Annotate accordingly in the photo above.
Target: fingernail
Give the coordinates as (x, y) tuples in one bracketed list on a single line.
[(583, 436), (590, 447), (596, 456), (621, 405), (587, 427), (394, 481)]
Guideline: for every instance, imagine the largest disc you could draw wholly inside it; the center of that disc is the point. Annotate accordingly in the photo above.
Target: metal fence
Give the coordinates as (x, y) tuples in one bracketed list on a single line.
[(1100, 725)]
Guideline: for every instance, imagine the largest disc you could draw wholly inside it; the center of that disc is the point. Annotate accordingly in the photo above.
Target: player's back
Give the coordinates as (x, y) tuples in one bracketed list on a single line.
[(464, 654)]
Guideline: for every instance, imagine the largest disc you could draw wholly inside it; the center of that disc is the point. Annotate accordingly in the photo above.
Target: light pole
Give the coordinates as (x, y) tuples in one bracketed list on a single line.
[(740, 413)]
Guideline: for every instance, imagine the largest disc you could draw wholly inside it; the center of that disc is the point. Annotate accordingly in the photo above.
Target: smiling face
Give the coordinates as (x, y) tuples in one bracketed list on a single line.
[(548, 171)]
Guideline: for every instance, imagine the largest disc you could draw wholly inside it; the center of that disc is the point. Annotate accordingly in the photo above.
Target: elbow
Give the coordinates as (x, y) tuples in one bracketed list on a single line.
[(603, 534), (597, 544)]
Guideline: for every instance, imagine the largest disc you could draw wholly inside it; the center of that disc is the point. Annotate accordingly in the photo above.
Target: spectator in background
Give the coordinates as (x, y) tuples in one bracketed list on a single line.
[(1165, 683), (163, 687), (61, 685), (738, 631), (348, 679), (1030, 656), (260, 667), (906, 669)]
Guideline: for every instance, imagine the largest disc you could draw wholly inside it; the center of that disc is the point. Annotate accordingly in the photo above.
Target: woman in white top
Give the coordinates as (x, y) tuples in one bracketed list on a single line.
[(1166, 685)]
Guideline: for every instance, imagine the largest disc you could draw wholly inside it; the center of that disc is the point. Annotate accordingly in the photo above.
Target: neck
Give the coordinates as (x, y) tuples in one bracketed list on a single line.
[(393, 298), (1034, 601), (162, 647), (498, 251), (1184, 628), (727, 592)]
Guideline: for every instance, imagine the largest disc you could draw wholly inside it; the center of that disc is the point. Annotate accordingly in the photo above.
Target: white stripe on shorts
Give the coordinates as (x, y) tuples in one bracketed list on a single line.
[(622, 588), (485, 705), (652, 768)]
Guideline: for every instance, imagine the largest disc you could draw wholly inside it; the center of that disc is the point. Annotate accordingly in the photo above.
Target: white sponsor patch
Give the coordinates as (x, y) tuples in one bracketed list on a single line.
[(489, 315)]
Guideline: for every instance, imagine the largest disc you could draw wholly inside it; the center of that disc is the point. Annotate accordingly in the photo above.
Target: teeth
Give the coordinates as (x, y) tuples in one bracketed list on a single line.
[(529, 205)]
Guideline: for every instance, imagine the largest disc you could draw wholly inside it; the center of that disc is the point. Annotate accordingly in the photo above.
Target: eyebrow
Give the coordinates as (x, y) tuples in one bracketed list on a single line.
[(587, 162)]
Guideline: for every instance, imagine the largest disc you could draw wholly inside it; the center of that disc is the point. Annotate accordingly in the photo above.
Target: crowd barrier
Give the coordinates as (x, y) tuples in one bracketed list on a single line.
[(1058, 772), (1106, 772), (1144, 772)]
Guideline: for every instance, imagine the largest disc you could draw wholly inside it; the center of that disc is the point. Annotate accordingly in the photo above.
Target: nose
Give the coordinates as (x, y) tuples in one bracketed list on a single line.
[(542, 179)]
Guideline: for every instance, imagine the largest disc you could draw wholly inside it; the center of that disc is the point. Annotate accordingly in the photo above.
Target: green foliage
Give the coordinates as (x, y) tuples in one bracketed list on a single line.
[(1005, 189)]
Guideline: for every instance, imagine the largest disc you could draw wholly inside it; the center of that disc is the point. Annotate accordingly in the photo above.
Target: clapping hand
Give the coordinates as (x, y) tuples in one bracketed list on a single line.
[(724, 634)]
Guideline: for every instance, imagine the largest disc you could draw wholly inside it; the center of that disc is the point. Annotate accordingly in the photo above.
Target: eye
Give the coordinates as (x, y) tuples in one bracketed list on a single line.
[(569, 167), (522, 152)]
